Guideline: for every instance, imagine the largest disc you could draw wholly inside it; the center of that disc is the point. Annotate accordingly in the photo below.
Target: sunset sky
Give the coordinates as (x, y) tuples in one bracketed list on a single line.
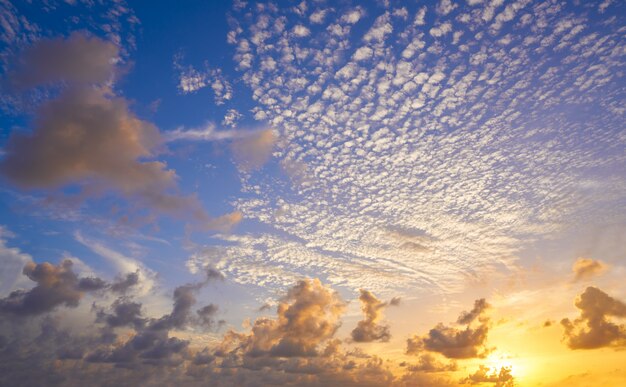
[(313, 193)]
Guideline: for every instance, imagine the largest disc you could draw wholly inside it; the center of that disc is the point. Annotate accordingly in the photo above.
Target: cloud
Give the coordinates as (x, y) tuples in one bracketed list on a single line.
[(384, 139), (428, 363), (445, 7), (499, 378), (593, 329), (88, 136), (307, 316), (587, 268), (13, 262), (301, 31), (253, 151), (456, 343), (125, 313), (85, 135), (123, 284), (363, 53), (135, 273), (152, 343), (77, 59), (184, 300), (190, 80), (480, 306), (207, 132), (369, 329), (56, 286)]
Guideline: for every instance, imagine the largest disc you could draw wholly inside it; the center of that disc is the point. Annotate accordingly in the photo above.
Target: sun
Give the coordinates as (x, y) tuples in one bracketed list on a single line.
[(498, 360)]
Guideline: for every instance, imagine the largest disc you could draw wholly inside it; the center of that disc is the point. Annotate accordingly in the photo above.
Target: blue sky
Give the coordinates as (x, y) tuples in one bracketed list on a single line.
[(434, 151)]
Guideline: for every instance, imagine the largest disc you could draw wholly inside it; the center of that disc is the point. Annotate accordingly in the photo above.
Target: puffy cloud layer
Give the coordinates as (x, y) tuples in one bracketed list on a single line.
[(456, 343), (593, 329), (446, 119), (297, 347)]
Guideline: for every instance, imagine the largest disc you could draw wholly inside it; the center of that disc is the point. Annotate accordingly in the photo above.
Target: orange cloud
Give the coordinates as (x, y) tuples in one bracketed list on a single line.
[(251, 152), (456, 343), (88, 136), (369, 329), (586, 268), (593, 329)]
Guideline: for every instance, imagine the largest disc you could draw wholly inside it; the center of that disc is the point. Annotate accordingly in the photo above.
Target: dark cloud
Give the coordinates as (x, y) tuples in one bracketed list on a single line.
[(122, 285), (77, 59), (125, 313), (369, 329), (184, 300), (456, 343), (152, 343), (586, 268), (55, 286), (499, 378), (206, 315), (479, 308), (296, 347), (593, 328), (91, 284)]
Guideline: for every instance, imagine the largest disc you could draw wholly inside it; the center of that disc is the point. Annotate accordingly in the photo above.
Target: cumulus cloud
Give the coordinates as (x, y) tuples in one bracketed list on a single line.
[(251, 152), (56, 285), (369, 329), (499, 378), (428, 363), (152, 343), (307, 316), (593, 329), (456, 343), (587, 268), (123, 284)]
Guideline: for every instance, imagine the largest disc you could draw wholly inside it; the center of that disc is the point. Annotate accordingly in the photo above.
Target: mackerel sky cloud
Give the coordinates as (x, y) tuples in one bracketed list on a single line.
[(241, 193)]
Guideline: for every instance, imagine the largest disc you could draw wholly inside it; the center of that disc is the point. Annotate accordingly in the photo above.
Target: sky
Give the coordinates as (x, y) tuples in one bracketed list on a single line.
[(315, 192)]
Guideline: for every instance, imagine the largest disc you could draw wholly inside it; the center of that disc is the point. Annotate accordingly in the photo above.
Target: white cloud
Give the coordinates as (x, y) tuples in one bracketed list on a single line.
[(12, 261), (445, 7), (301, 31), (435, 137), (441, 30), (363, 53)]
